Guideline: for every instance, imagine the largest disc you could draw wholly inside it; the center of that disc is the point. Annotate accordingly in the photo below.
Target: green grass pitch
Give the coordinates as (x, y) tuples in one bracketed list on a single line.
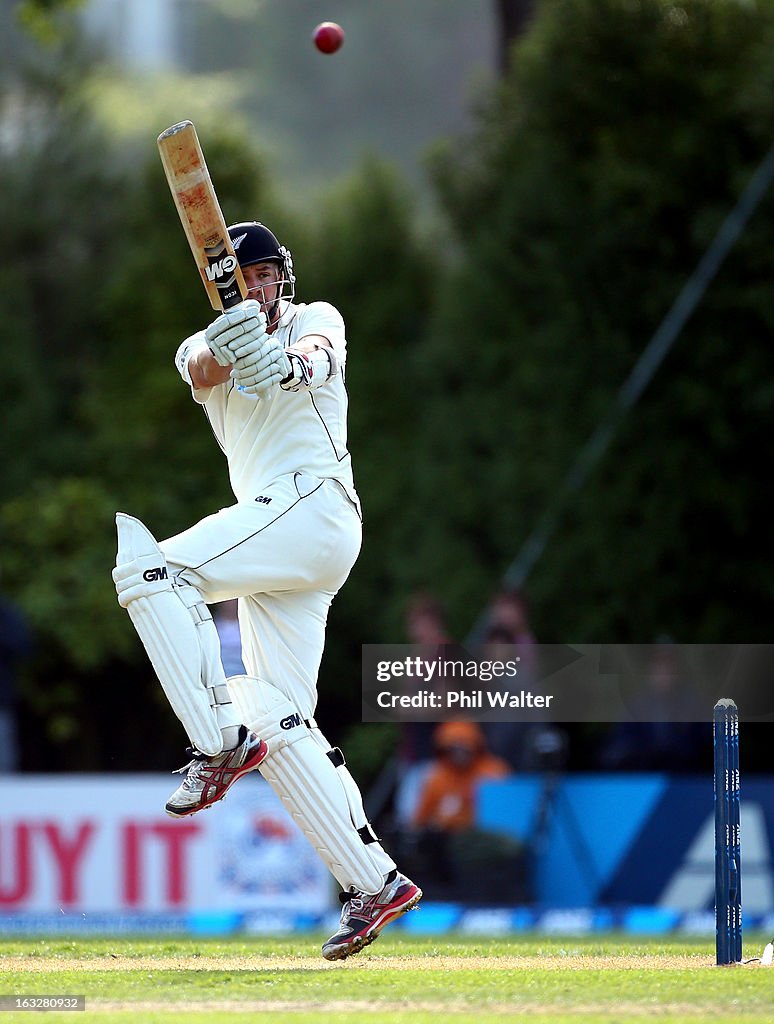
[(398, 979)]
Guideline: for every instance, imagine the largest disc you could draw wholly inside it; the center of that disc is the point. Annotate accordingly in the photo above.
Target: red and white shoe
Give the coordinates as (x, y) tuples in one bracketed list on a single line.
[(208, 779), (363, 916)]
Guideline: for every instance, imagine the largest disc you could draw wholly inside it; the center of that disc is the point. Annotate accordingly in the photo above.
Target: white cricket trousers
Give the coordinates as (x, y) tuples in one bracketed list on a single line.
[(284, 556)]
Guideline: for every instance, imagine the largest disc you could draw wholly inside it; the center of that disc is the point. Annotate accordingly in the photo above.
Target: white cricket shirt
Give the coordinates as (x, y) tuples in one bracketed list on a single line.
[(282, 431)]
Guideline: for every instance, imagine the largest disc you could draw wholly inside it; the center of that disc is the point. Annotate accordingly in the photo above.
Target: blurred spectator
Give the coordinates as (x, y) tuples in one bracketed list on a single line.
[(15, 644), (227, 625), (425, 626), (459, 860), (447, 799), (509, 616), (668, 731), (508, 624), (425, 621), (525, 745), (508, 740)]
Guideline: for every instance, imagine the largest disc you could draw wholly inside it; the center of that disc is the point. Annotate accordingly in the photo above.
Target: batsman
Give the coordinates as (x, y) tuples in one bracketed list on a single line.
[(269, 375)]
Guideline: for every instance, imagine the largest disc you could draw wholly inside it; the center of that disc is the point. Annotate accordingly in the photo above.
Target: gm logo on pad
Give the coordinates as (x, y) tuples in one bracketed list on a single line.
[(151, 575)]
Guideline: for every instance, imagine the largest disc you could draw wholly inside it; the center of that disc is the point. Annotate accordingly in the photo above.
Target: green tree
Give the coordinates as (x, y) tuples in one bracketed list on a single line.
[(100, 291), (367, 257), (601, 169), (59, 220)]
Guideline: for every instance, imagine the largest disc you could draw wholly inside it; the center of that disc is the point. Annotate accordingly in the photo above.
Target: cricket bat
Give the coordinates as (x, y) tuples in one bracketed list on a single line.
[(201, 216)]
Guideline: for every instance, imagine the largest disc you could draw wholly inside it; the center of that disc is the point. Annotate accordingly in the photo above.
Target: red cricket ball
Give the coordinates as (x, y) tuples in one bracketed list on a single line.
[(328, 37)]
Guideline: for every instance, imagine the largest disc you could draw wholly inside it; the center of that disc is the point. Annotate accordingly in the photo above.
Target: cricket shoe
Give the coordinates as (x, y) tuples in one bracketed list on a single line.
[(209, 778), (363, 916)]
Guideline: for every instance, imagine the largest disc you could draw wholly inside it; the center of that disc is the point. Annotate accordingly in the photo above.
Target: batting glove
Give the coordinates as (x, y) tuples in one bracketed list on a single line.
[(247, 319), (258, 367)]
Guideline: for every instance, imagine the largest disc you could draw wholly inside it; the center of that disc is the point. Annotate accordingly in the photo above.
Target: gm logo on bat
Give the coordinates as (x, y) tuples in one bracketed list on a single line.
[(219, 268)]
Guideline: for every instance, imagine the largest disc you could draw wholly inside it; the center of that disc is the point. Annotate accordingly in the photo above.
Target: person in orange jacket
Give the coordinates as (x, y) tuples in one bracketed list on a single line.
[(447, 800)]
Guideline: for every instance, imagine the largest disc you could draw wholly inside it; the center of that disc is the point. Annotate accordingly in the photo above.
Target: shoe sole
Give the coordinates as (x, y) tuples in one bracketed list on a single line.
[(361, 941), (247, 767)]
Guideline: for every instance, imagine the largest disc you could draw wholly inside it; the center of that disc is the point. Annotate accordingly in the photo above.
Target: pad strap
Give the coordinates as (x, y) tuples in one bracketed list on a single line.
[(314, 784), (366, 831)]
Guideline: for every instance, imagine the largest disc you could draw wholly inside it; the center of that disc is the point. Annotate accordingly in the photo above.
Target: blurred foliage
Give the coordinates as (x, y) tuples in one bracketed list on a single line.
[(366, 258), (369, 750), (482, 353), (602, 167), (411, 63), (46, 20), (131, 106)]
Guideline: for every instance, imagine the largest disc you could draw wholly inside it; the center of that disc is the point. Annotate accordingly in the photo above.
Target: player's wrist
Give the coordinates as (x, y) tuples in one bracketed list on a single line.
[(309, 370), (205, 371)]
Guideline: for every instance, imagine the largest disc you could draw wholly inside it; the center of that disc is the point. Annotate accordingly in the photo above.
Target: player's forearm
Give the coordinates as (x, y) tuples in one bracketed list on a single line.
[(312, 363), (205, 371)]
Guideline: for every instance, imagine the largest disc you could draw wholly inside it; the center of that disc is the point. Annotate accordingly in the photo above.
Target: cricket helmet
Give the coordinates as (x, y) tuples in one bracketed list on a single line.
[(254, 243)]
